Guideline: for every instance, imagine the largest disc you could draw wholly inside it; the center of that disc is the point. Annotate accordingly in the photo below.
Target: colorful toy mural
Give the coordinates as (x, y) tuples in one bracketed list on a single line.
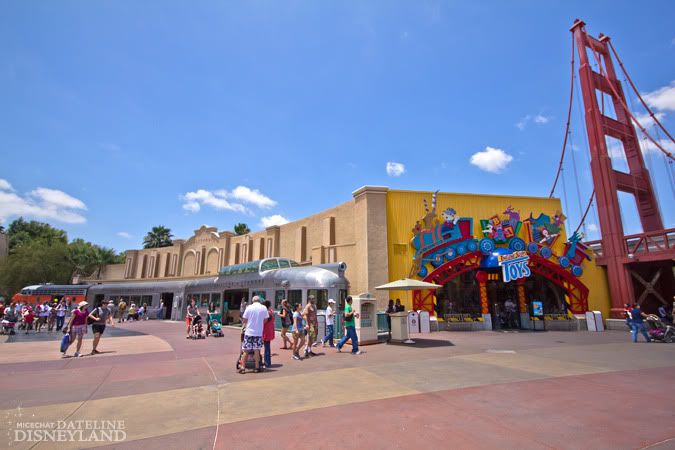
[(439, 240)]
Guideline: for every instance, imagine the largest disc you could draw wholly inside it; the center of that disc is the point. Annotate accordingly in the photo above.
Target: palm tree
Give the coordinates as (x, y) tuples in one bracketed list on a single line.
[(103, 256), (159, 236), (241, 228)]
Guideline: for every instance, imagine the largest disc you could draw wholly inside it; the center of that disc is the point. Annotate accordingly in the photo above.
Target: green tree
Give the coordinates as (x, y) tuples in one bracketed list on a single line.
[(35, 262), (21, 232), (88, 259), (241, 228), (159, 236)]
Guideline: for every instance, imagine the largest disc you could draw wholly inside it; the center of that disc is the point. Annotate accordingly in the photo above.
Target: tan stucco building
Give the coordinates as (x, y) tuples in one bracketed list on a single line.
[(354, 232)]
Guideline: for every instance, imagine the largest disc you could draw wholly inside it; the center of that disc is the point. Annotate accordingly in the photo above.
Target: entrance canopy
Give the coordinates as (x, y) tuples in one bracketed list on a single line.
[(407, 284)]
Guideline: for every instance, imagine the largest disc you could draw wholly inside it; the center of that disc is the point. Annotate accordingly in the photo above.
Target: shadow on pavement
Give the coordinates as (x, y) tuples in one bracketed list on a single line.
[(424, 343)]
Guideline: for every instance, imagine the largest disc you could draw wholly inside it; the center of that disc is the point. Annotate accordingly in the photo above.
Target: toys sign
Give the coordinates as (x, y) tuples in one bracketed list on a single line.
[(514, 266)]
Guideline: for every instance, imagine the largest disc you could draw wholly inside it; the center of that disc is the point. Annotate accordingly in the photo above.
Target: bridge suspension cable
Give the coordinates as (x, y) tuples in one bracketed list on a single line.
[(628, 112), (567, 126), (630, 81), (588, 208)]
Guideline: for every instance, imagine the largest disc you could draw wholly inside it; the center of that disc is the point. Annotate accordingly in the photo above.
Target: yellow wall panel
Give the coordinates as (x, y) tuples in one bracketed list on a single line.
[(404, 208)]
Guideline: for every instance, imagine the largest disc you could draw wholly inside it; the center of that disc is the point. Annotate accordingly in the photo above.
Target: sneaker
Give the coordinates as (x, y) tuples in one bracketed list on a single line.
[(95, 352), (356, 353), (77, 355), (296, 357), (339, 350)]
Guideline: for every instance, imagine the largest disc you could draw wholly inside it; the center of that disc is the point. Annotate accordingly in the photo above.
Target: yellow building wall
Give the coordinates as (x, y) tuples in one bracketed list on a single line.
[(404, 208)]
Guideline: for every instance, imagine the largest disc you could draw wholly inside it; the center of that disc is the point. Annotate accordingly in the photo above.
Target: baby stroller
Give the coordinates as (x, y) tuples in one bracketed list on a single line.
[(197, 328), (8, 326), (215, 325), (658, 330)]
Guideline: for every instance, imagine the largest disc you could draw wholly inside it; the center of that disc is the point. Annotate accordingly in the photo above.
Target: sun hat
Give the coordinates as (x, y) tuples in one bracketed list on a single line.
[(330, 300), (82, 303)]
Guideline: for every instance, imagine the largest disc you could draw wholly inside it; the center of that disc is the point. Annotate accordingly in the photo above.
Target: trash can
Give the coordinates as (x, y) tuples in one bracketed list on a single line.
[(425, 326), (366, 323), (413, 322), (594, 321), (399, 327)]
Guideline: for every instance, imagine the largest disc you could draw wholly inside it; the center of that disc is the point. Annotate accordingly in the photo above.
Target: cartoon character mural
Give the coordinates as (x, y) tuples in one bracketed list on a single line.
[(438, 241), (501, 230)]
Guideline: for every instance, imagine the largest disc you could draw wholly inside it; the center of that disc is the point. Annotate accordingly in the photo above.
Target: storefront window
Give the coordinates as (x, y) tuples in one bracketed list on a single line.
[(321, 296), (215, 299), (205, 301), (146, 299)]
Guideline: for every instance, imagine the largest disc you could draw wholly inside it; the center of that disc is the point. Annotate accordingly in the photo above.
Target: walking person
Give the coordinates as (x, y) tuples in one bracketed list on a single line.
[(51, 319), (311, 324), (286, 322), (101, 315), (391, 309), (28, 318), (77, 327), (160, 311), (299, 331), (192, 312), (43, 315), (253, 320), (350, 328), (121, 309), (60, 315), (268, 334), (330, 324), (626, 312), (637, 324)]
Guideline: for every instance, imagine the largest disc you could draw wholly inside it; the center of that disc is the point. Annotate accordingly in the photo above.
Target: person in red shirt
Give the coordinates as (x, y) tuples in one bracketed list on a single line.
[(77, 326), (28, 318), (268, 334)]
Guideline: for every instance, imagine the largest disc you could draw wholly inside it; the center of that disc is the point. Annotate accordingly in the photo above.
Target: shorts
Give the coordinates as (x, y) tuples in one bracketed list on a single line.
[(188, 321), (79, 330), (312, 332), (98, 328), (252, 343)]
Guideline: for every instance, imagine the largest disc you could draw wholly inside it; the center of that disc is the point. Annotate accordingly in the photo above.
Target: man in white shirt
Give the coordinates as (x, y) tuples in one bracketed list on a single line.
[(330, 329), (252, 320)]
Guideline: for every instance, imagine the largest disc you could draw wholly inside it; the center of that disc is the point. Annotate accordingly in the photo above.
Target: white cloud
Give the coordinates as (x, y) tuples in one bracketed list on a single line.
[(5, 185), (538, 119), (662, 98), (491, 159), (41, 203), (253, 196), (58, 198), (395, 169), (522, 123), (192, 201), (649, 147), (124, 234), (646, 120), (275, 219), (592, 227), (615, 148), (541, 120)]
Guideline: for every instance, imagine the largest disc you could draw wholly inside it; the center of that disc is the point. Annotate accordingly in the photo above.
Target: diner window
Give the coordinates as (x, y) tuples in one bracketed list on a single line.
[(146, 299), (260, 294), (269, 264), (136, 299), (284, 264), (215, 299), (294, 296), (321, 296), (205, 300), (279, 295), (342, 299)]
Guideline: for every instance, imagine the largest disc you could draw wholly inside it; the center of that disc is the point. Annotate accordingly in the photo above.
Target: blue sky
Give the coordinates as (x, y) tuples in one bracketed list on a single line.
[(117, 115)]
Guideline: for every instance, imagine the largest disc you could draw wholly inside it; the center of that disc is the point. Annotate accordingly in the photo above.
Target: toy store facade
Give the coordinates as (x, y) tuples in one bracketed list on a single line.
[(502, 261)]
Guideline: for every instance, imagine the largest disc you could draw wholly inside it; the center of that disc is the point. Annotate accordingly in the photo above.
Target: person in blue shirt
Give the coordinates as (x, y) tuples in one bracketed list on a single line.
[(637, 324)]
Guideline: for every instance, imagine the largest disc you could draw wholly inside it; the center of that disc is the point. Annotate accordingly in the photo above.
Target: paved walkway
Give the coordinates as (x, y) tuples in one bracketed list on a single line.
[(453, 390)]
